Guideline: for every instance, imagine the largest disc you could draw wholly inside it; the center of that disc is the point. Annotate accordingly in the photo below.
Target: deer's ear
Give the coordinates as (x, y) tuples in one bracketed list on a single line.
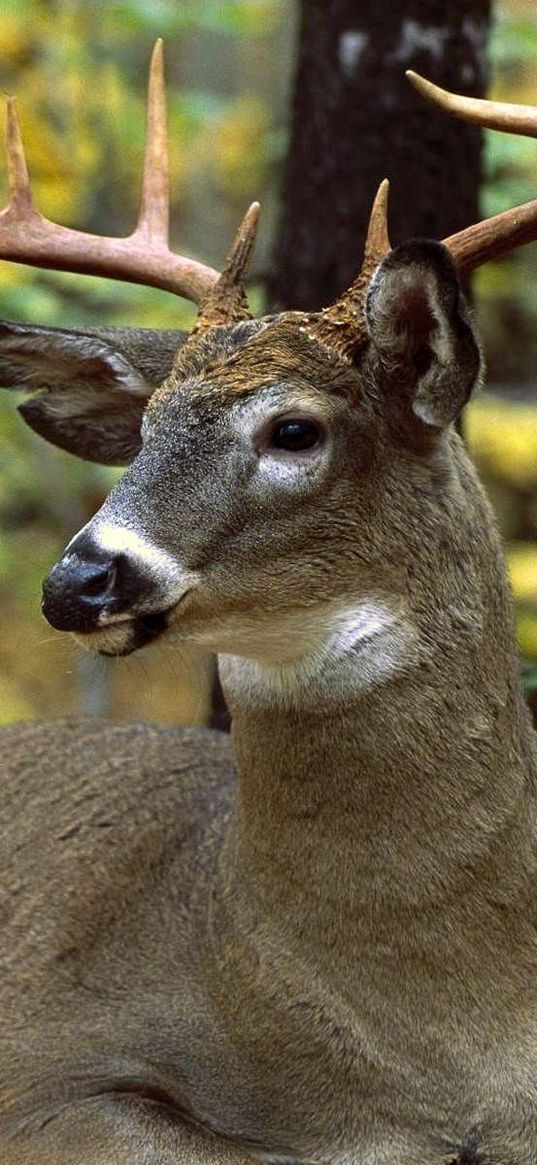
[(89, 387), (423, 344)]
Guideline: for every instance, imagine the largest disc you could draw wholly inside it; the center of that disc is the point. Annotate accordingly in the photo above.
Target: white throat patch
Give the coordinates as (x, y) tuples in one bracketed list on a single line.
[(351, 650)]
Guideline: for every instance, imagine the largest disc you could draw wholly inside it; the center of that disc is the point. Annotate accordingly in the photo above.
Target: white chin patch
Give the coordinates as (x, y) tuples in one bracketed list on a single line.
[(113, 640)]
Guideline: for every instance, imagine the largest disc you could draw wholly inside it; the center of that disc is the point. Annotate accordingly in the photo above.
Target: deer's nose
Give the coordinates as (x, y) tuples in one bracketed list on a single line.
[(79, 589)]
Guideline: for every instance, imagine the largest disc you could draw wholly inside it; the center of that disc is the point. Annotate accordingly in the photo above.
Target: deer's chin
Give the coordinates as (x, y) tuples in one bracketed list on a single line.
[(124, 636)]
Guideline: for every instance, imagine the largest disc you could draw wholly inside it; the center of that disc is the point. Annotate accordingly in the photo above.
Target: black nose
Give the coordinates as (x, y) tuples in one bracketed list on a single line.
[(80, 588)]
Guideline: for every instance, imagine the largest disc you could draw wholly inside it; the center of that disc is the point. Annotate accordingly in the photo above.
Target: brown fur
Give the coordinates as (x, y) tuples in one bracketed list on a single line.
[(237, 362)]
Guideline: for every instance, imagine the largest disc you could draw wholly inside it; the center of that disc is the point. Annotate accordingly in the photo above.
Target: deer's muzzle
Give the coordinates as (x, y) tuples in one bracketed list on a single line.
[(91, 589)]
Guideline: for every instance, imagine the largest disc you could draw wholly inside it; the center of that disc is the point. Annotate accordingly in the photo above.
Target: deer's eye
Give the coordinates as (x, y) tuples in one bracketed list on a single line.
[(296, 435)]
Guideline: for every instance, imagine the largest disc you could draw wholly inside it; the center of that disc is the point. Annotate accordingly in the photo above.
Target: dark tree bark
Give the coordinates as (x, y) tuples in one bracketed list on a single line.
[(219, 716), (357, 120)]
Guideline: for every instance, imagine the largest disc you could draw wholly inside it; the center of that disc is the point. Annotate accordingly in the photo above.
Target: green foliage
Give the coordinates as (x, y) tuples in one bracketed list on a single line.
[(167, 17), (529, 676), (511, 169), (510, 163), (514, 40)]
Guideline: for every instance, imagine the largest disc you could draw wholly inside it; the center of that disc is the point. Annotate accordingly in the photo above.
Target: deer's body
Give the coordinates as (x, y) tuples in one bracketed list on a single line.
[(335, 962), (317, 945)]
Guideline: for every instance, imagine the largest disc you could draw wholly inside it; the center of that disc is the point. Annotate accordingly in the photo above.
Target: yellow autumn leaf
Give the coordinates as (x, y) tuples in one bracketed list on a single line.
[(13, 705), (522, 566), (502, 436), (14, 40), (61, 163), (235, 147), (527, 634), (14, 275)]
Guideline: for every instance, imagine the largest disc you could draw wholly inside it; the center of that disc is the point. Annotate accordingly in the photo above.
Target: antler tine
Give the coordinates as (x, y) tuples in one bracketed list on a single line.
[(144, 257), (243, 244), (377, 243), (521, 119), (341, 326), (494, 237), (20, 194), (153, 219), (226, 302)]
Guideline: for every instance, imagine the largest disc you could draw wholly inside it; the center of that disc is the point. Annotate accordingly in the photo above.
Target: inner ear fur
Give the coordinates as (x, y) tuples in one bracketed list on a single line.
[(425, 356)]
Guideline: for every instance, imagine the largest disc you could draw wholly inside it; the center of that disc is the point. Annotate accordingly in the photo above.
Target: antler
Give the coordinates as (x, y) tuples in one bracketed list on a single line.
[(226, 302), (145, 256), (342, 325), (493, 237)]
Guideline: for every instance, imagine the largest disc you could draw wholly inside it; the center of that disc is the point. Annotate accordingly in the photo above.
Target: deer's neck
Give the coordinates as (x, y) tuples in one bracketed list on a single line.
[(394, 771)]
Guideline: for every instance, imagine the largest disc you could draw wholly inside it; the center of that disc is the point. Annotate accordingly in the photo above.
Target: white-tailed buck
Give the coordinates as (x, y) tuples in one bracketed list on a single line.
[(317, 944)]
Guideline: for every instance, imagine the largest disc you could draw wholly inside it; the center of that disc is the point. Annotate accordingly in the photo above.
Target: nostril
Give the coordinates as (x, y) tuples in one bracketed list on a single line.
[(99, 578), (78, 590)]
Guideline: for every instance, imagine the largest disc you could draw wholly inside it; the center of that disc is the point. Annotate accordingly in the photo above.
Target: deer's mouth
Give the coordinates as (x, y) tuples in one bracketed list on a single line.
[(123, 636), (128, 632)]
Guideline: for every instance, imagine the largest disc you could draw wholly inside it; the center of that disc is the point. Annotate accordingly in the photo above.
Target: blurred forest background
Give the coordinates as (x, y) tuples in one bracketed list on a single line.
[(79, 71)]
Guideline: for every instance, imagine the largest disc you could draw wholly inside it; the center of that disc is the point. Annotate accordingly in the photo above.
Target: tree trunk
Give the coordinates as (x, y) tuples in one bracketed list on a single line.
[(357, 120)]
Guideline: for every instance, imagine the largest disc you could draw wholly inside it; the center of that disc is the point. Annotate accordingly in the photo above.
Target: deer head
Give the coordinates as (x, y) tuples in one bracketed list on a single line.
[(287, 468)]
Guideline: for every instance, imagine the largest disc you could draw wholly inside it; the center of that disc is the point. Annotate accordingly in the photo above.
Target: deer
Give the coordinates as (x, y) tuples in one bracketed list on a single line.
[(314, 942)]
